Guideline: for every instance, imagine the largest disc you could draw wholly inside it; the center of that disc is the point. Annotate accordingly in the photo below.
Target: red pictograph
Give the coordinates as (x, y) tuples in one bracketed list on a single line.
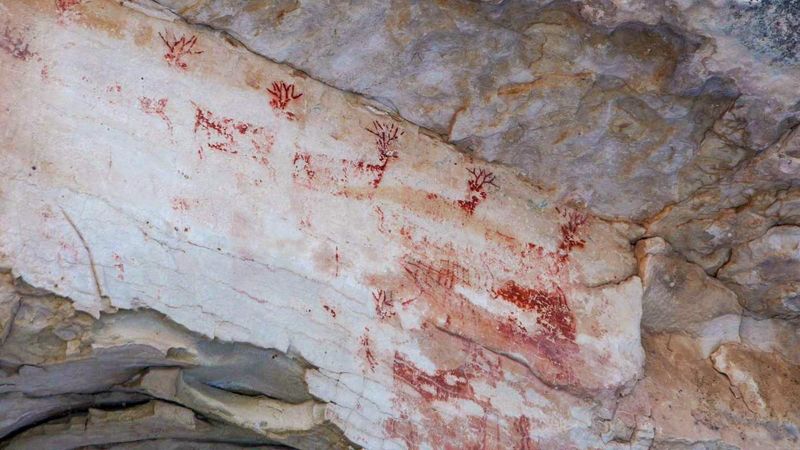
[(178, 48), (281, 94), (386, 135), (384, 304), (477, 185)]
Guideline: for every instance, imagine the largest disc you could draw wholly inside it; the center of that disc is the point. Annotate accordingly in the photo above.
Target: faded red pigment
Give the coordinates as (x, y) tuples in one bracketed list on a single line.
[(119, 266), (553, 313), (302, 164), (366, 345), (384, 304), (65, 5), (157, 108), (225, 131), (14, 44), (441, 385)]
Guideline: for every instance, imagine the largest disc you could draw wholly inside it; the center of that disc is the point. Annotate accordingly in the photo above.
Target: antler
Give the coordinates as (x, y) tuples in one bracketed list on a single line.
[(480, 178), (282, 94), (386, 134)]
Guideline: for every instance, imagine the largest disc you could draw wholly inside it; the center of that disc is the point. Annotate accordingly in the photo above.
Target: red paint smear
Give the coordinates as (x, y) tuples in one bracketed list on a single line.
[(446, 274), (367, 347), (381, 219), (178, 48), (522, 427), (226, 131), (303, 168), (119, 266), (180, 204), (404, 430), (548, 350), (551, 307), (441, 385), (384, 304), (556, 352), (477, 184), (14, 44), (155, 107), (65, 5), (429, 428), (463, 433), (337, 261)]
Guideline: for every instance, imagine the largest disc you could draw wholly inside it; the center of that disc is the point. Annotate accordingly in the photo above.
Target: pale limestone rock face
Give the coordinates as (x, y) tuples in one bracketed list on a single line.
[(428, 293), (201, 247)]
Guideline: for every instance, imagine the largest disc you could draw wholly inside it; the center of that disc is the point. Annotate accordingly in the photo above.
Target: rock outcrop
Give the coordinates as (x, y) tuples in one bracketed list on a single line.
[(455, 224)]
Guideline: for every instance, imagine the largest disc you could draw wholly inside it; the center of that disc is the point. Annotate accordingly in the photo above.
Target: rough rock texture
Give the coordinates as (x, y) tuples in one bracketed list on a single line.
[(625, 106), (453, 224), (680, 297), (104, 376), (766, 272)]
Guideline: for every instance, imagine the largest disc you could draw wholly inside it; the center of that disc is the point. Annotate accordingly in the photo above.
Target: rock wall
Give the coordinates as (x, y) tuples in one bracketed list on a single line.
[(396, 225)]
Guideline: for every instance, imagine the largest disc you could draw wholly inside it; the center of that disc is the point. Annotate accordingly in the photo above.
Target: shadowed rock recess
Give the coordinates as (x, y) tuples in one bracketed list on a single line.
[(454, 224)]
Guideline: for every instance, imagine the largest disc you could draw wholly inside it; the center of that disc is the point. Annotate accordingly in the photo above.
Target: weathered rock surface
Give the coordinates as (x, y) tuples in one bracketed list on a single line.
[(766, 272), (203, 248), (679, 297), (625, 106), (465, 305), (692, 401), (773, 336), (112, 369)]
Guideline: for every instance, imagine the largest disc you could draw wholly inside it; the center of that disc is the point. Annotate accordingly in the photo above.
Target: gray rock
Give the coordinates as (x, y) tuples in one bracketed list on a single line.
[(766, 272), (75, 381), (597, 114)]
